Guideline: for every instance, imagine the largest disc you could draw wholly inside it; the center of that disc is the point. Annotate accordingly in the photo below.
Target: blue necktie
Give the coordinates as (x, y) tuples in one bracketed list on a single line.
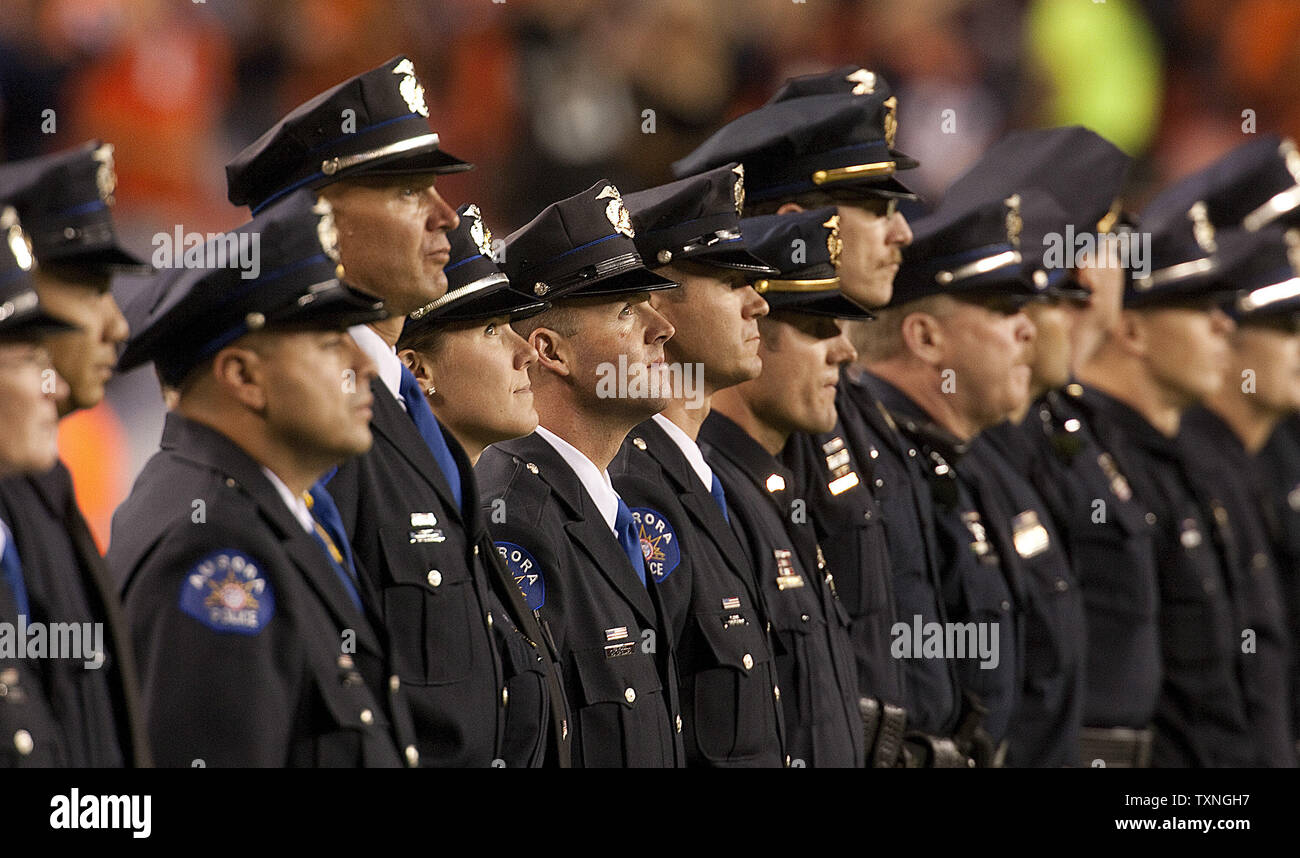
[(628, 537), (720, 496), (420, 412), (13, 573), (329, 533)]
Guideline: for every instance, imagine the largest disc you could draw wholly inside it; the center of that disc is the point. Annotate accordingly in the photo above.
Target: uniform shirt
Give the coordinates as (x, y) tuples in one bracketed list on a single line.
[(1278, 467), (836, 479), (730, 712), (606, 626), (1112, 547), (1225, 472), (814, 654), (597, 483), (428, 569), (1045, 726), (1201, 717), (931, 691), (979, 585), (101, 723), (225, 590)]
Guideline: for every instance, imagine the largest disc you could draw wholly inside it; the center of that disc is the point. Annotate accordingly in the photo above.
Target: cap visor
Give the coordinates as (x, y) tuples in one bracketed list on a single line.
[(488, 304), (636, 280), (431, 160), (733, 258), (336, 307), (831, 303)]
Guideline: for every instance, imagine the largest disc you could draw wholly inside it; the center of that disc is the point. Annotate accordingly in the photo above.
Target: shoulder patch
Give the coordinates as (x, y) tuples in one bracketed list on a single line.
[(228, 591), (526, 571), (659, 543)]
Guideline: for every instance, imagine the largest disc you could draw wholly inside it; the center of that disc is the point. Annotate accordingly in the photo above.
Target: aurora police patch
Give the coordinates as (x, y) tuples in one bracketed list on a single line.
[(526, 572), (658, 542), (228, 592)]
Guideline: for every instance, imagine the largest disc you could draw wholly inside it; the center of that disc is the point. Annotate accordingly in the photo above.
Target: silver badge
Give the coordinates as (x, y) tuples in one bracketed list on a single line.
[(326, 232), (738, 189), (1014, 222), (410, 88), (618, 215), (105, 172), (479, 231)]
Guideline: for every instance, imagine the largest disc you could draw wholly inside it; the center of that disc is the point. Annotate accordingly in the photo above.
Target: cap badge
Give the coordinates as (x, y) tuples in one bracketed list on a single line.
[(1014, 221), (1202, 229), (891, 120), (19, 244), (325, 229), (865, 81), (738, 189), (617, 213), (410, 88), (834, 244), (479, 231), (105, 174)]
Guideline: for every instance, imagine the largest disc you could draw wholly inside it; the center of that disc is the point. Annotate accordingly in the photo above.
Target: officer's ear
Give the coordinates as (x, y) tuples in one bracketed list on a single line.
[(240, 373), (923, 335), (553, 351), (419, 366)]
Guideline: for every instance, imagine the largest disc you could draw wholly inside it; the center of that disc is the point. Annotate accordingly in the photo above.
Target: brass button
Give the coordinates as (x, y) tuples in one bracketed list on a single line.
[(748, 661), (489, 619), (435, 577), (630, 695), (412, 756), (638, 443), (345, 662), (367, 717), (1061, 586), (23, 742), (476, 551), (394, 683), (531, 467), (9, 676)]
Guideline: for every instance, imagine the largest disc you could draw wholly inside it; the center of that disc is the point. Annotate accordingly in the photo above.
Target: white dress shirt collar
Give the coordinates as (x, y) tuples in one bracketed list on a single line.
[(296, 504), (594, 480), (690, 450), (384, 356)]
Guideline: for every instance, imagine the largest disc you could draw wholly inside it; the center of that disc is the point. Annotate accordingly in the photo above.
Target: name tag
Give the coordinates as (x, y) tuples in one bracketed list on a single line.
[(427, 535), (617, 650), (1029, 535)]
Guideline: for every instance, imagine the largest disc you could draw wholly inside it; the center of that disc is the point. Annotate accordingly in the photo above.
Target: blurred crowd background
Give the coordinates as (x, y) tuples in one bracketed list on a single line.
[(547, 96)]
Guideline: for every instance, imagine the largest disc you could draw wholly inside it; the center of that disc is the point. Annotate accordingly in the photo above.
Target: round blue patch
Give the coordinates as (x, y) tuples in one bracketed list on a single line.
[(228, 591), (658, 542), (526, 572)]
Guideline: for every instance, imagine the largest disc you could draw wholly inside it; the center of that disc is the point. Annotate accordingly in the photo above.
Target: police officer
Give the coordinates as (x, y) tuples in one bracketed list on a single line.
[(367, 145), (564, 532), (1166, 353), (828, 139), (30, 732), (949, 361), (65, 202), (689, 231), (473, 369), (802, 348), (1091, 504), (248, 620), (1261, 385)]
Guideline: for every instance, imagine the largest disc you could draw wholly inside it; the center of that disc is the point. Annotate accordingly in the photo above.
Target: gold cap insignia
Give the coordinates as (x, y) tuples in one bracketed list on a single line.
[(105, 173), (618, 215), (326, 232), (1202, 229), (865, 82), (19, 244), (1014, 221), (479, 231), (834, 244), (738, 189), (410, 88), (891, 120)]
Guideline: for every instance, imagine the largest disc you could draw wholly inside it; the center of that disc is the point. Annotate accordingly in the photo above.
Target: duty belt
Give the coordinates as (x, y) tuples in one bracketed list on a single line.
[(1115, 747)]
